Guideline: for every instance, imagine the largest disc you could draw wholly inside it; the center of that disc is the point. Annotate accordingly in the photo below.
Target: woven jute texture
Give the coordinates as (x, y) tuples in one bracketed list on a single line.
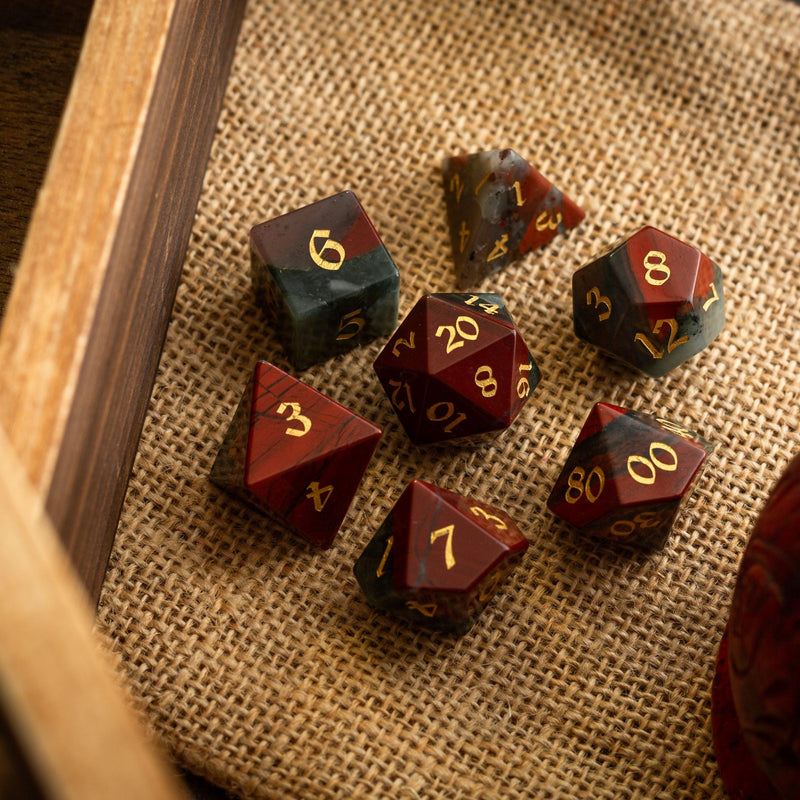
[(254, 656)]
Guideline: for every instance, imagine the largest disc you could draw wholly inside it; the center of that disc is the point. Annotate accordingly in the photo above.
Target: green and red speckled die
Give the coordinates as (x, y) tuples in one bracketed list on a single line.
[(295, 454), (439, 558), (627, 475), (323, 275), (756, 693), (498, 208), (651, 301)]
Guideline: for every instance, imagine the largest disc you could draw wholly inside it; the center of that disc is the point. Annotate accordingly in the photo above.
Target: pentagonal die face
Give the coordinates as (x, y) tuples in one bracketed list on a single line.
[(439, 557), (498, 207), (295, 454), (652, 301), (456, 366), (627, 475), (324, 276)]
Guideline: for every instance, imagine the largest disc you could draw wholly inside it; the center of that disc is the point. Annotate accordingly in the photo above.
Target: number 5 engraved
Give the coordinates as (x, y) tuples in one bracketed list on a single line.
[(294, 410), (330, 244), (350, 325)]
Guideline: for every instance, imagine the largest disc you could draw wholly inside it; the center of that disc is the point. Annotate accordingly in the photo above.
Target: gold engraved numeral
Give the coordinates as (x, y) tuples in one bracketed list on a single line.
[(428, 609), (652, 464), (680, 430), (443, 411), (488, 383), (320, 496), (593, 297), (457, 186), (672, 342), (463, 235), (399, 403), (579, 484), (409, 343), (625, 527), (523, 384), (549, 219), (483, 180), (465, 329), (317, 255), (295, 415), (350, 325), (656, 262), (447, 530), (385, 557), (496, 521), (518, 191), (499, 249), (713, 299), (489, 308)]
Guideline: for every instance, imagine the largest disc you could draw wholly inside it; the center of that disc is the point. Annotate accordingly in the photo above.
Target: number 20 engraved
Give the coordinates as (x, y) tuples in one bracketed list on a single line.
[(459, 333), (295, 415)]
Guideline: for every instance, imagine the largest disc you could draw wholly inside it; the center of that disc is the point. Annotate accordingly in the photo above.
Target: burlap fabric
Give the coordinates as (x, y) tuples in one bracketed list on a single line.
[(255, 657)]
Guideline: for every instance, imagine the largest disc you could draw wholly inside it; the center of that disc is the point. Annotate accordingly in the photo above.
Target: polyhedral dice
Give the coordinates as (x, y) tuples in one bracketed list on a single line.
[(756, 695), (627, 475), (295, 454), (499, 207), (439, 557), (324, 276), (457, 366), (652, 301)]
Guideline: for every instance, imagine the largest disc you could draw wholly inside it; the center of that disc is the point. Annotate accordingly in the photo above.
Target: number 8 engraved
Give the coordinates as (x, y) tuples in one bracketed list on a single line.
[(656, 262), (579, 484)]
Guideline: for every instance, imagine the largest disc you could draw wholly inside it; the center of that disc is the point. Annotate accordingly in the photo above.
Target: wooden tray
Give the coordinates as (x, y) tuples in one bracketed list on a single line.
[(83, 329)]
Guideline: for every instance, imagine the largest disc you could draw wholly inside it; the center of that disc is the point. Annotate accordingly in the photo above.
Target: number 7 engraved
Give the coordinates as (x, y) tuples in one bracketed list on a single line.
[(447, 530)]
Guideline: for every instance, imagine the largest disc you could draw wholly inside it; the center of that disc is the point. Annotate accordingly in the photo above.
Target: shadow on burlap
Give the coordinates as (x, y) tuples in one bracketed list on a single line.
[(254, 656)]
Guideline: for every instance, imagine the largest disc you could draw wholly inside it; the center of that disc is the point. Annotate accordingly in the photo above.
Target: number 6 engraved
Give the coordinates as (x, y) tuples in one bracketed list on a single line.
[(294, 410), (330, 244)]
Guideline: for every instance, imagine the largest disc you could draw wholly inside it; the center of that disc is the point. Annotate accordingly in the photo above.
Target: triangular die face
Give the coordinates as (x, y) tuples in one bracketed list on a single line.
[(455, 333), (314, 496), (228, 470), (293, 424), (441, 549), (552, 213)]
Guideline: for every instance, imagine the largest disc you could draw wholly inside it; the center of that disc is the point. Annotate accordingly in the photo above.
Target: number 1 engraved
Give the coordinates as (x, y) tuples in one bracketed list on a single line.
[(295, 415), (330, 244), (447, 531), (385, 557), (518, 190)]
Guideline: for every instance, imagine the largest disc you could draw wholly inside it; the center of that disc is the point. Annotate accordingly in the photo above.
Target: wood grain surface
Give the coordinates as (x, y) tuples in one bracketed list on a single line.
[(85, 321)]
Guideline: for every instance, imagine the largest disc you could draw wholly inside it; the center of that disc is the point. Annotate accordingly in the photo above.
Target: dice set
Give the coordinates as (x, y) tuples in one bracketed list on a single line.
[(456, 367)]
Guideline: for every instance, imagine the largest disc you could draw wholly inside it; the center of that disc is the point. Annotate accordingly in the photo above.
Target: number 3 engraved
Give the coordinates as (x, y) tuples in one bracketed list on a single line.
[(594, 296), (294, 410), (330, 244)]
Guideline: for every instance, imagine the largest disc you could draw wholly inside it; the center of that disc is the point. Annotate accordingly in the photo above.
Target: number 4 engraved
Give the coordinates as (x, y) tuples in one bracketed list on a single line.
[(320, 496)]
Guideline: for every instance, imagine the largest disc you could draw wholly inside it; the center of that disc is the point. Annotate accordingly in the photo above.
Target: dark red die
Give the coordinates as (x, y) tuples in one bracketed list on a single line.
[(294, 453), (439, 557), (627, 475), (457, 366), (651, 301), (499, 207), (756, 697)]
